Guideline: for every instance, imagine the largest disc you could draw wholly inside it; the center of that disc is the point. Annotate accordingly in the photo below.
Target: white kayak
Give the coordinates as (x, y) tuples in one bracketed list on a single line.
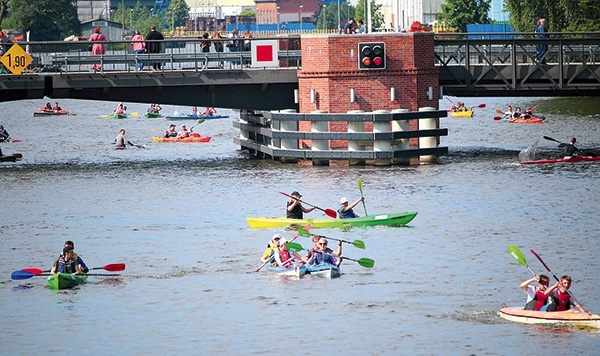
[(570, 317)]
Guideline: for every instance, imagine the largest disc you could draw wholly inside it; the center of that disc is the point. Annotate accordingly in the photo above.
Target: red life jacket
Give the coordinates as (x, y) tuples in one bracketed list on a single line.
[(540, 299), (563, 300), (284, 255)]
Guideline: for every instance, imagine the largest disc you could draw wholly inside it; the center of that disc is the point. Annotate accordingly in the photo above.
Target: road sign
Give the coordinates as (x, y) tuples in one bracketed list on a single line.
[(16, 59)]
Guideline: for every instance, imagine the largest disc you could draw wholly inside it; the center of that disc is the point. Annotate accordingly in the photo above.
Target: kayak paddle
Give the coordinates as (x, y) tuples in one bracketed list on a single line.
[(359, 181), (329, 212), (134, 114), (199, 122), (558, 280), (357, 243), (552, 139), (292, 246), (518, 255), (133, 144), (499, 111), (481, 106), (113, 267), (497, 118), (365, 262), (20, 275)]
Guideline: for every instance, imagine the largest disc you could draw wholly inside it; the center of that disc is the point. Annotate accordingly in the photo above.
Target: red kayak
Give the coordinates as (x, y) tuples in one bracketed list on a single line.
[(531, 120), (572, 159)]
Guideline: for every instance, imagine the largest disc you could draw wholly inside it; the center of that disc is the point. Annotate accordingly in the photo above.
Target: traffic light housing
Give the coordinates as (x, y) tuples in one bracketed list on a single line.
[(371, 56)]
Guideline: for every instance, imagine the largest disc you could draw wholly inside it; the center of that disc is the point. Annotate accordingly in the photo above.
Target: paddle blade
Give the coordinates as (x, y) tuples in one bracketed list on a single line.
[(551, 139), (533, 108), (113, 267), (20, 275), (358, 244), (35, 271), (518, 255), (366, 262), (497, 118), (303, 232), (200, 121), (134, 114), (331, 213), (499, 111), (359, 182), (481, 106), (293, 246)]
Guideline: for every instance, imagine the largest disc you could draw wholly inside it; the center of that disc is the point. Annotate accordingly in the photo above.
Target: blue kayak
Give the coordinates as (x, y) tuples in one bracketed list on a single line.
[(324, 270), (193, 117)]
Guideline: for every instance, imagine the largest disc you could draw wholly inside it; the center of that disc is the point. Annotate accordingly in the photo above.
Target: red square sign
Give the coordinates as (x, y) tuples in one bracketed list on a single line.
[(264, 53)]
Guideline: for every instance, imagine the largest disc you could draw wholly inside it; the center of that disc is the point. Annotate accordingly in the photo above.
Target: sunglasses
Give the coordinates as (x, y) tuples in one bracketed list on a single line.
[(322, 244)]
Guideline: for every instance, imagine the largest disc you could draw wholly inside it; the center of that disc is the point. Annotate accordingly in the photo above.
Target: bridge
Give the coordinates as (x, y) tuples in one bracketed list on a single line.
[(468, 66)]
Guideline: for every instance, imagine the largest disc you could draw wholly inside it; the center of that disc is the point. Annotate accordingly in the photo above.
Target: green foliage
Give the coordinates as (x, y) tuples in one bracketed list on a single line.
[(460, 13), (330, 13), (247, 13), (177, 14), (561, 15), (376, 15), (47, 20)]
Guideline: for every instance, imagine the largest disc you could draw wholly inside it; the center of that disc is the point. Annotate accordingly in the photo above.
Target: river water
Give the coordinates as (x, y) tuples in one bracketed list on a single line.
[(175, 214)]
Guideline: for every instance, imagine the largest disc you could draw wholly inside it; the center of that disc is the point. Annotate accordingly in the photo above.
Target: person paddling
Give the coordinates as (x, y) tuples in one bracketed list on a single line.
[(4, 135), (121, 140), (295, 210), (345, 211), (536, 295), (562, 297), (67, 263), (571, 149)]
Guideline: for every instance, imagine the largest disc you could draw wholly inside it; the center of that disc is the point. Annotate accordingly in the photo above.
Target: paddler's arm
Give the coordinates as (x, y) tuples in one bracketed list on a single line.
[(524, 285), (338, 251)]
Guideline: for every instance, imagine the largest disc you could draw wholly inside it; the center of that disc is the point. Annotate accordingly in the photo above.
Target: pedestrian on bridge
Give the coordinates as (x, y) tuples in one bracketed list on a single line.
[(153, 46), (139, 47), (97, 46)]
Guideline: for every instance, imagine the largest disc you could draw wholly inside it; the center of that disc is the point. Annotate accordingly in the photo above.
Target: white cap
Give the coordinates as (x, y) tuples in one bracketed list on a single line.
[(276, 236), (343, 200), (282, 242)]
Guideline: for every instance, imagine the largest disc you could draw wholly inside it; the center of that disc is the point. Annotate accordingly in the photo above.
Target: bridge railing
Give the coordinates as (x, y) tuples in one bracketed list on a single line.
[(176, 54), (495, 64)]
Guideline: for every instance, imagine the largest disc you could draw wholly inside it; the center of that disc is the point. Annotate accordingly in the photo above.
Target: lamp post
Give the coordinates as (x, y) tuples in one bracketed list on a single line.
[(122, 19), (256, 18), (339, 24), (325, 18), (131, 18), (300, 15), (278, 19)]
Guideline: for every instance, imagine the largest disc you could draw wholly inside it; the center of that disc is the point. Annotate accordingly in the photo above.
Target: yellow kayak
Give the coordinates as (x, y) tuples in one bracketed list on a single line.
[(462, 114)]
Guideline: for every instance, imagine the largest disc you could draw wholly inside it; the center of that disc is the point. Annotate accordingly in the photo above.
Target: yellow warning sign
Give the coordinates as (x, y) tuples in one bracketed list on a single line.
[(16, 59)]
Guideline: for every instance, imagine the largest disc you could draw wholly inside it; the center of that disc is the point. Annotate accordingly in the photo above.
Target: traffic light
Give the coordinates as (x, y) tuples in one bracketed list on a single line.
[(371, 56)]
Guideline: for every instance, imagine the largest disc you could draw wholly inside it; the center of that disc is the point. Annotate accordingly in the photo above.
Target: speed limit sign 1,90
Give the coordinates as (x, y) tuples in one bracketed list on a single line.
[(16, 59)]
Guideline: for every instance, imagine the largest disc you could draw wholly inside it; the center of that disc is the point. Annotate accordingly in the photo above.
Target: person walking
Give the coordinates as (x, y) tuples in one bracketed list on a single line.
[(153, 46), (97, 47), (541, 31), (139, 47)]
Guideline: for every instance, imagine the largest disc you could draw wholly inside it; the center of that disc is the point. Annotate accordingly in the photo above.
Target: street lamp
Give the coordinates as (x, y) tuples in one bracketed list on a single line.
[(300, 15), (325, 18), (278, 19), (339, 25)]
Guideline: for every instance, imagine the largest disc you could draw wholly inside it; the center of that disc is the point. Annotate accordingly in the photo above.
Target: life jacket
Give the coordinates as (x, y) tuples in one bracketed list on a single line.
[(321, 257), (296, 213), (69, 266), (284, 256), (563, 301), (540, 298)]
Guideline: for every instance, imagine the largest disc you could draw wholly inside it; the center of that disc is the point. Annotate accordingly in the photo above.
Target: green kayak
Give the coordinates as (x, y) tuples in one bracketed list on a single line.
[(65, 280), (150, 115), (393, 219)]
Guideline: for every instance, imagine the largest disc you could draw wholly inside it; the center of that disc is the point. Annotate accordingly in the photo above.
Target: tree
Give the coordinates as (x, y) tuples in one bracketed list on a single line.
[(178, 13), (460, 13), (48, 20), (376, 16), (330, 14), (3, 7), (561, 15)]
